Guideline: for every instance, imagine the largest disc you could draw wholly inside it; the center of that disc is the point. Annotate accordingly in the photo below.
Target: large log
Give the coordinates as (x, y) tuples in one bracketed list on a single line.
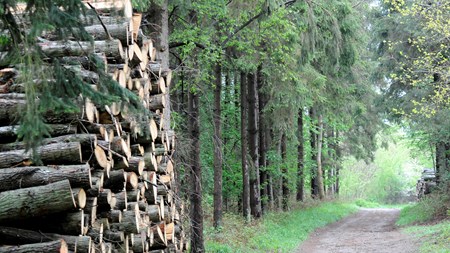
[(23, 177), (9, 110), (157, 102), (130, 222), (30, 202), (9, 133), (87, 141), (14, 236), (118, 7), (112, 48), (44, 247), (56, 153)]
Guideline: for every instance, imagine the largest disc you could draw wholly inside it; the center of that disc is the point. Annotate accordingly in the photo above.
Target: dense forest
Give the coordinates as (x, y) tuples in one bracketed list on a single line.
[(276, 102)]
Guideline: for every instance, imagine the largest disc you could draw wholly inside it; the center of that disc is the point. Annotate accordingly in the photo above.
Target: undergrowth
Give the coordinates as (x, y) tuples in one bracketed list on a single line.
[(276, 232), (429, 208)]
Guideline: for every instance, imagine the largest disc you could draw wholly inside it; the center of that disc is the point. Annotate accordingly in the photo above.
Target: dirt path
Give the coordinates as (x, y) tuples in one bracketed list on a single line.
[(368, 231)]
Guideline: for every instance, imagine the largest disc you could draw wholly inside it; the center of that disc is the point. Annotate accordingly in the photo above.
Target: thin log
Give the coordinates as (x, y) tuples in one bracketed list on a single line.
[(80, 197)]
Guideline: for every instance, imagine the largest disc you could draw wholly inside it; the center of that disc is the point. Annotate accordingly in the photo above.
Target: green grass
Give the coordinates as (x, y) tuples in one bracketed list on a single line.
[(366, 203), (276, 232), (429, 222), (434, 238)]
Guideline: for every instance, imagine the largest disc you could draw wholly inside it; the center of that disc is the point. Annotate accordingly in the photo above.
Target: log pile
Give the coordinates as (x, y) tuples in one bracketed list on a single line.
[(106, 183)]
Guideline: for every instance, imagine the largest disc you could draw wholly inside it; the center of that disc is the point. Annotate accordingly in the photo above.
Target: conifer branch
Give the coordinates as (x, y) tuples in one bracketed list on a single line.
[(261, 13)]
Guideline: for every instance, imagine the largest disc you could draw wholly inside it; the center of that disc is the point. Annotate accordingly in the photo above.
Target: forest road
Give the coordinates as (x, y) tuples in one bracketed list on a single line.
[(367, 231)]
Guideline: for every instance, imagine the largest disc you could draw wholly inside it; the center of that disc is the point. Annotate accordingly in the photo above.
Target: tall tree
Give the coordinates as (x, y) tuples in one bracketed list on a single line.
[(195, 195), (253, 142), (245, 168), (320, 175), (218, 151), (300, 157)]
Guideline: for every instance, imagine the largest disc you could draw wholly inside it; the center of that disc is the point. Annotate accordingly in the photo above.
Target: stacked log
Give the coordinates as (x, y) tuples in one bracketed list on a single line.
[(106, 183)]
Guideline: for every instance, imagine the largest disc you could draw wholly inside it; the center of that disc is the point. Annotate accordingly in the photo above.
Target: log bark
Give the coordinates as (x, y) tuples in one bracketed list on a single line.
[(116, 181), (31, 202), (23, 177), (157, 102), (56, 153), (87, 142), (9, 133), (53, 246), (121, 8), (112, 48), (10, 235), (129, 224)]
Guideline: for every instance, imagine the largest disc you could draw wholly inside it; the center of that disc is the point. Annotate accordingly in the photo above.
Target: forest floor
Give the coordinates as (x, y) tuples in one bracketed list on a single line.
[(368, 230)]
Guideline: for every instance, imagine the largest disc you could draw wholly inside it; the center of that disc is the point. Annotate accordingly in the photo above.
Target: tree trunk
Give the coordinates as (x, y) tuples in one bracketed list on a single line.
[(338, 165), (285, 176), (218, 159), (252, 98), (313, 138), (158, 15), (320, 184), (263, 146), (300, 157), (196, 211), (244, 141), (30, 202)]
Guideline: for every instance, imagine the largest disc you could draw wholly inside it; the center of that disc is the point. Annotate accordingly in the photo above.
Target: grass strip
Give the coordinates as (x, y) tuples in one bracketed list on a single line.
[(276, 232)]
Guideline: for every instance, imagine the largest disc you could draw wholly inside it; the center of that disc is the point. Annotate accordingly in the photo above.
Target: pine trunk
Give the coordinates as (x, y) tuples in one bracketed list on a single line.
[(300, 157), (244, 143), (313, 142), (196, 211), (263, 146), (253, 103), (320, 183), (285, 176), (218, 159)]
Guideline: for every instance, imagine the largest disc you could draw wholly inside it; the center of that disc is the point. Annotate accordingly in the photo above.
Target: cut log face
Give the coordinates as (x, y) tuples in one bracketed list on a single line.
[(29, 202)]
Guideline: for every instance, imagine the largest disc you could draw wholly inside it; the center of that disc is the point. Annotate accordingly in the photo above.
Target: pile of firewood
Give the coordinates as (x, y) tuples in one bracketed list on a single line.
[(107, 180)]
